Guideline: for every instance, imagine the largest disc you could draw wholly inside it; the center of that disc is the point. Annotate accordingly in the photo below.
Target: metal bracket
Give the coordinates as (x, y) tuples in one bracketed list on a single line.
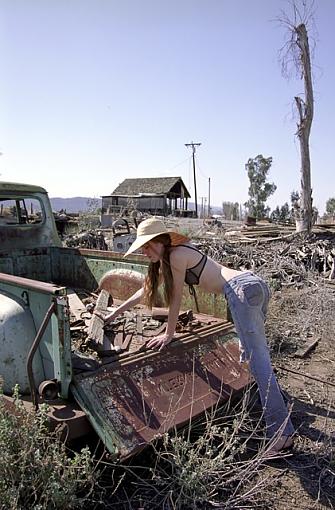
[(25, 297)]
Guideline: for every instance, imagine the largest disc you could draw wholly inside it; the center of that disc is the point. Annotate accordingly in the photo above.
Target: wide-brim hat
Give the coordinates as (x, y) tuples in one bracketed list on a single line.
[(151, 228)]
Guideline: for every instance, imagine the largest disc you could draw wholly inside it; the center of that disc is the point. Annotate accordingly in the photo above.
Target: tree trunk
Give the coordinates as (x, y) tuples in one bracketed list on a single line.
[(305, 110)]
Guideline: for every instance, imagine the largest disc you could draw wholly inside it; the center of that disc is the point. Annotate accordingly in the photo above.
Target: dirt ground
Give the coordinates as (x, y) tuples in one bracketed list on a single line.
[(297, 319)]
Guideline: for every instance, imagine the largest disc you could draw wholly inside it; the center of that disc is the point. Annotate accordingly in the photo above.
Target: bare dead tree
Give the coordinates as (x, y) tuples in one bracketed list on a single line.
[(296, 55)]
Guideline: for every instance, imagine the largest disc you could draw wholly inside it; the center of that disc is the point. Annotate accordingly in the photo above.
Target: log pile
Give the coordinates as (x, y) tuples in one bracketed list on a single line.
[(291, 260)]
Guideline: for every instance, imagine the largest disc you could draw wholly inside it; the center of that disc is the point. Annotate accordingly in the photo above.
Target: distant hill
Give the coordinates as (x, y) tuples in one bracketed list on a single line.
[(74, 204)]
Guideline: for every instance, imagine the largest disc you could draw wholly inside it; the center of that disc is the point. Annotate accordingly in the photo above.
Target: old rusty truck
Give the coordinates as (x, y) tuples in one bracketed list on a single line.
[(92, 377)]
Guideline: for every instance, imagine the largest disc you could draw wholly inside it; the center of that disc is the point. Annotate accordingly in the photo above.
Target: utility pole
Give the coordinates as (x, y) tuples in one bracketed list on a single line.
[(209, 197), (202, 207), (194, 145)]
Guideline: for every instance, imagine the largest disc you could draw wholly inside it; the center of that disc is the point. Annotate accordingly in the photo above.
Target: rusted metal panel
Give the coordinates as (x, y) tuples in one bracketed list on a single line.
[(33, 263), (131, 401), (36, 267), (67, 415), (6, 265), (61, 345)]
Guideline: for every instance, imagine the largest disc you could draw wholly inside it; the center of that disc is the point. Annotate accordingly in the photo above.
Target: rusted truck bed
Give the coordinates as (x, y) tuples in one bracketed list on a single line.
[(140, 394)]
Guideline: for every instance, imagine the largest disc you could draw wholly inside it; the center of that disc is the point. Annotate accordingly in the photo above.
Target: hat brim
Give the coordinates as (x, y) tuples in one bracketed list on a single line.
[(175, 237)]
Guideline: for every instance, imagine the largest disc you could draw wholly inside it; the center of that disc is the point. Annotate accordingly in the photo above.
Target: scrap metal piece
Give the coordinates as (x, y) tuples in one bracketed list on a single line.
[(139, 325), (185, 317), (158, 330), (48, 390), (126, 341), (83, 362)]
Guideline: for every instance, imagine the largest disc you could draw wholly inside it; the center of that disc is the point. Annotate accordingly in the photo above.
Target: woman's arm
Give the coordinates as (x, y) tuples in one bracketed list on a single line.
[(178, 269), (174, 308), (129, 303)]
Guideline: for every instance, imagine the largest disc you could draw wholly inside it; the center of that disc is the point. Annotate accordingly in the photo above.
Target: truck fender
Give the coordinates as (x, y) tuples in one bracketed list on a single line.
[(17, 333), (123, 283)]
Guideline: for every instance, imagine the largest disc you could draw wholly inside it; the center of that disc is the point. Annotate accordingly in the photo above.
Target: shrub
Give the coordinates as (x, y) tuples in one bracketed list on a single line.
[(37, 471)]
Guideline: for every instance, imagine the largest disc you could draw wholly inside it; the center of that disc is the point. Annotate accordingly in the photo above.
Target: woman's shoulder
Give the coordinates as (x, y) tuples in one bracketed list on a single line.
[(183, 248), (179, 253), (186, 245), (185, 251)]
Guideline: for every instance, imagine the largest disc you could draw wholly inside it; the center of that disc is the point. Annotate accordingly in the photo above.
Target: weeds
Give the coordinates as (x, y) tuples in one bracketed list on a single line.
[(36, 470), (214, 462)]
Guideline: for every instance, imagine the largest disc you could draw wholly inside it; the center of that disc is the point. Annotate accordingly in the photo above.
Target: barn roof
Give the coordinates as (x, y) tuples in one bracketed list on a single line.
[(151, 185)]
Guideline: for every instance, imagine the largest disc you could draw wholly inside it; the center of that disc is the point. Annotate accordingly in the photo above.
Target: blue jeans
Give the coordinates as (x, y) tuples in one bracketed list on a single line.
[(248, 297)]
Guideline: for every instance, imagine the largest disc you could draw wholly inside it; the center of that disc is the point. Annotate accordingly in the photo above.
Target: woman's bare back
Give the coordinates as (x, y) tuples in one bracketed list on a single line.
[(213, 276)]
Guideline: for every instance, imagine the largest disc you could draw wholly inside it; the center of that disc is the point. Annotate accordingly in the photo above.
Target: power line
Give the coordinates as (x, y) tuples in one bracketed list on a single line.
[(200, 170), (178, 164)]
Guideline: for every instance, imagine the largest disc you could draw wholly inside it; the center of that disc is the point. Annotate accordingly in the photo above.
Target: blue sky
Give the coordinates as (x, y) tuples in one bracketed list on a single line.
[(96, 91)]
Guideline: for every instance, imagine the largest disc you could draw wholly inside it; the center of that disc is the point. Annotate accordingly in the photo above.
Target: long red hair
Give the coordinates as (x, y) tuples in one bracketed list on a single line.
[(156, 271)]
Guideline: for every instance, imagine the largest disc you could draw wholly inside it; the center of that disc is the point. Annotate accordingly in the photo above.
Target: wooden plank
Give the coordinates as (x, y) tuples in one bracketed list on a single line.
[(307, 349), (95, 331), (76, 305)]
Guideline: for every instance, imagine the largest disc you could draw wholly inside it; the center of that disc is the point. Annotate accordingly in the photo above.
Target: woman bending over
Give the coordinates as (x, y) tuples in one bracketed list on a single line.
[(174, 262)]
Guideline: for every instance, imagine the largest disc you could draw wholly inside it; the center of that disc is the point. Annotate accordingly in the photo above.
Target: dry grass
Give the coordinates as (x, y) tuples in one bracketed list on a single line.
[(296, 317), (217, 462)]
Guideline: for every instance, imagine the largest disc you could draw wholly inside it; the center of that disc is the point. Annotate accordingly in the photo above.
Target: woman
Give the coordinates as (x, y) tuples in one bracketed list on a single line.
[(174, 261)]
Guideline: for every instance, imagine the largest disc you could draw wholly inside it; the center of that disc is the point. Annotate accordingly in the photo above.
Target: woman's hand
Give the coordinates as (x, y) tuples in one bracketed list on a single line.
[(159, 342), (106, 318)]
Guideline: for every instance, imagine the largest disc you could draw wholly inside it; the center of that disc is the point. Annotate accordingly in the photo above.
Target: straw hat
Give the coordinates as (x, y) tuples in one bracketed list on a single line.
[(151, 228)]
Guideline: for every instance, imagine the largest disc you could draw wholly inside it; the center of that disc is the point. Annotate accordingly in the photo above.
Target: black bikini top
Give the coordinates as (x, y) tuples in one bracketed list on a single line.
[(192, 275)]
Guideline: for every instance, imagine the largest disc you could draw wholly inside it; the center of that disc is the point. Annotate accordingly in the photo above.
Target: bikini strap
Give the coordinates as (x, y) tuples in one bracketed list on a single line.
[(193, 293), (191, 288)]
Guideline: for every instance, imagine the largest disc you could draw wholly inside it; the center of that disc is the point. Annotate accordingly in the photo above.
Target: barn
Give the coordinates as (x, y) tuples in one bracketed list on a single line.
[(153, 195)]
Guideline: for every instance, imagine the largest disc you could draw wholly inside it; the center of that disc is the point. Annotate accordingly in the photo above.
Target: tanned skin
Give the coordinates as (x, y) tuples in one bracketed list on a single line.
[(212, 280)]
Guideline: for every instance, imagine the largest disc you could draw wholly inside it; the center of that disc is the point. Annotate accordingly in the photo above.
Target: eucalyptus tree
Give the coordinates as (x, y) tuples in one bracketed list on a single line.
[(259, 189)]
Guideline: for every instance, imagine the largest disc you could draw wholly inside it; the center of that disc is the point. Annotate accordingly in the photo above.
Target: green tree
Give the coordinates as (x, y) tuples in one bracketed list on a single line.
[(330, 206), (281, 214), (259, 189)]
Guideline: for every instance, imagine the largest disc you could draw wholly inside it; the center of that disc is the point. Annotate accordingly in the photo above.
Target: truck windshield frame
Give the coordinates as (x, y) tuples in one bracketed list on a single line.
[(24, 211)]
